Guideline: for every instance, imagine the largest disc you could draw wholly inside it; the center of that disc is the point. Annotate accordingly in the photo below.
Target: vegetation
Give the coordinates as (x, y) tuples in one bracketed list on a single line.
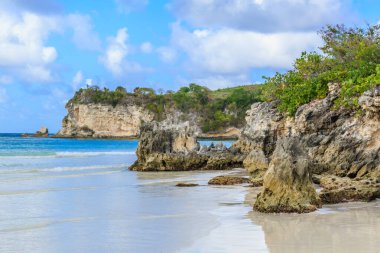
[(349, 56), (217, 109)]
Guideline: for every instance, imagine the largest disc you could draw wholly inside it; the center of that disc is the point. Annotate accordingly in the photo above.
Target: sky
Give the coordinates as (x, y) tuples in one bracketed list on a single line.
[(51, 48)]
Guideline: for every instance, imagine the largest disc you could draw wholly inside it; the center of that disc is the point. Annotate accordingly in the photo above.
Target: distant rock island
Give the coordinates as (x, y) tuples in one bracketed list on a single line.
[(43, 132)]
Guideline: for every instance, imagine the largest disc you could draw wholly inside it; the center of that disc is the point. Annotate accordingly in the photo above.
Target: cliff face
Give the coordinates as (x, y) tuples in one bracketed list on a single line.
[(103, 121), (342, 145)]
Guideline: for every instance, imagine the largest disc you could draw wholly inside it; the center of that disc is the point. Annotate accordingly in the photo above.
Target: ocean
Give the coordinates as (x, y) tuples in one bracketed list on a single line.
[(68, 195)]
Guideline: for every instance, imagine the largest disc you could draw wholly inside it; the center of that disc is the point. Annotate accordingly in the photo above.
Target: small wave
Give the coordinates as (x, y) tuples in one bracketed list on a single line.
[(85, 154), (65, 154), (64, 169)]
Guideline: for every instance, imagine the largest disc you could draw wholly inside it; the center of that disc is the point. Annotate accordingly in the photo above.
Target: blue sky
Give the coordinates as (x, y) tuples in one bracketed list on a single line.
[(50, 48)]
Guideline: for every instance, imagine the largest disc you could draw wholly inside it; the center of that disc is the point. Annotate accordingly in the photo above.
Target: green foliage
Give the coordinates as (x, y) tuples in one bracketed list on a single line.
[(349, 56), (217, 109)]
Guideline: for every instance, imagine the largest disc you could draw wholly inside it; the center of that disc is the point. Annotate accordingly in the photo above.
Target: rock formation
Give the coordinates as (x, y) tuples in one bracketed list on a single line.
[(43, 132), (173, 147), (339, 142), (103, 121), (287, 183)]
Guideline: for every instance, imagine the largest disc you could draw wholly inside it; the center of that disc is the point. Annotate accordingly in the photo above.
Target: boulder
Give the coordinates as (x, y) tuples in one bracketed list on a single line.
[(186, 185), (228, 180), (287, 183)]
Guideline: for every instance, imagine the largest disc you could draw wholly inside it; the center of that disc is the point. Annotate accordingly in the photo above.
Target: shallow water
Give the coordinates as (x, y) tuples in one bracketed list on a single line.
[(78, 196)]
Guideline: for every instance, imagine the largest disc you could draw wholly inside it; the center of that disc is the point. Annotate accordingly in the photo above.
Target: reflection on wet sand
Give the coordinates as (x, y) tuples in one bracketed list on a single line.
[(350, 227)]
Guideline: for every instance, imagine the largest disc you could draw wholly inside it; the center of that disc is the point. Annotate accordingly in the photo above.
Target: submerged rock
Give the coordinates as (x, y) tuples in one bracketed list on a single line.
[(228, 180), (186, 185), (287, 183)]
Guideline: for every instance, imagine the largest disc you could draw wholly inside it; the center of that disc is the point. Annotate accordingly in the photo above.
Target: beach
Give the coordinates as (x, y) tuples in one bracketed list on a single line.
[(67, 195)]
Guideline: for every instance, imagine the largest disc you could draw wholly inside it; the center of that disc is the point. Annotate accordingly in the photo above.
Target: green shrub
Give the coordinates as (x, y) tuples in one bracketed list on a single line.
[(349, 56)]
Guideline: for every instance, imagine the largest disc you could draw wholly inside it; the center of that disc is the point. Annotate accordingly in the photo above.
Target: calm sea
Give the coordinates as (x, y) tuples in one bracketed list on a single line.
[(67, 195)]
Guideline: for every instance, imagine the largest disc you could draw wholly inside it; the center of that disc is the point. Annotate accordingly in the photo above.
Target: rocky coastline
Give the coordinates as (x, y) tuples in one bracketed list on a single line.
[(335, 148)]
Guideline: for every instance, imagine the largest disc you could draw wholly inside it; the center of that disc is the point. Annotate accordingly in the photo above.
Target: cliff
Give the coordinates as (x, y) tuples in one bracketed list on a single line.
[(342, 147), (103, 121), (101, 113)]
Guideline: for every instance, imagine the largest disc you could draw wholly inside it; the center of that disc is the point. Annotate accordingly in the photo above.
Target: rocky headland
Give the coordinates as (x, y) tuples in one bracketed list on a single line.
[(335, 148), (96, 113)]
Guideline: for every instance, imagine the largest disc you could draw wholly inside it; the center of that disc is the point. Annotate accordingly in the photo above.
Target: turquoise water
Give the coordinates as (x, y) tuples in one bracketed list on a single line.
[(66, 195)]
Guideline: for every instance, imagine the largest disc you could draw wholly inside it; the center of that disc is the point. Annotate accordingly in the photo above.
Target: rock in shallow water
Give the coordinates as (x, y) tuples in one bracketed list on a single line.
[(228, 180), (186, 185), (287, 183)]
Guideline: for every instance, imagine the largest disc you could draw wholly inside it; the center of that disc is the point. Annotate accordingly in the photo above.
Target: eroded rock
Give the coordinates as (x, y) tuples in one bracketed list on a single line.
[(287, 183), (228, 180), (173, 147)]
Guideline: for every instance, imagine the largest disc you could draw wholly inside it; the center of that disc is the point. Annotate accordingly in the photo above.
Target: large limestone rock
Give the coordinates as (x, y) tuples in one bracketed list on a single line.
[(258, 138), (103, 121), (287, 183), (339, 142), (173, 147)]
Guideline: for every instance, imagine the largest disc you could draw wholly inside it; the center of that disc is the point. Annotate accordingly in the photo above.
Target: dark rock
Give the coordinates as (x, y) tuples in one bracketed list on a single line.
[(186, 185), (228, 180)]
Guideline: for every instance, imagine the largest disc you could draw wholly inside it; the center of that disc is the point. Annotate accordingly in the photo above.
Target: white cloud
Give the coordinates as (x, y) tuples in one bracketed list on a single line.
[(89, 82), (217, 81), (229, 51), (167, 54), (146, 47), (131, 5), (116, 51), (84, 36), (262, 15), (25, 28), (22, 40), (37, 73), (114, 58), (77, 80)]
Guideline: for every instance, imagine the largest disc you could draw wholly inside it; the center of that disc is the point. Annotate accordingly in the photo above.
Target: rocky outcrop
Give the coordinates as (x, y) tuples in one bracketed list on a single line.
[(337, 189), (287, 183), (173, 147), (258, 138), (339, 142), (103, 121), (43, 132)]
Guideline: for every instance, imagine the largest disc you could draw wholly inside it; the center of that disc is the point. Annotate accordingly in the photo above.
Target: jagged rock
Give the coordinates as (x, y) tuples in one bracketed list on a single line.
[(287, 183), (228, 180), (339, 141), (173, 147), (186, 185), (336, 189), (43, 132), (258, 137)]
